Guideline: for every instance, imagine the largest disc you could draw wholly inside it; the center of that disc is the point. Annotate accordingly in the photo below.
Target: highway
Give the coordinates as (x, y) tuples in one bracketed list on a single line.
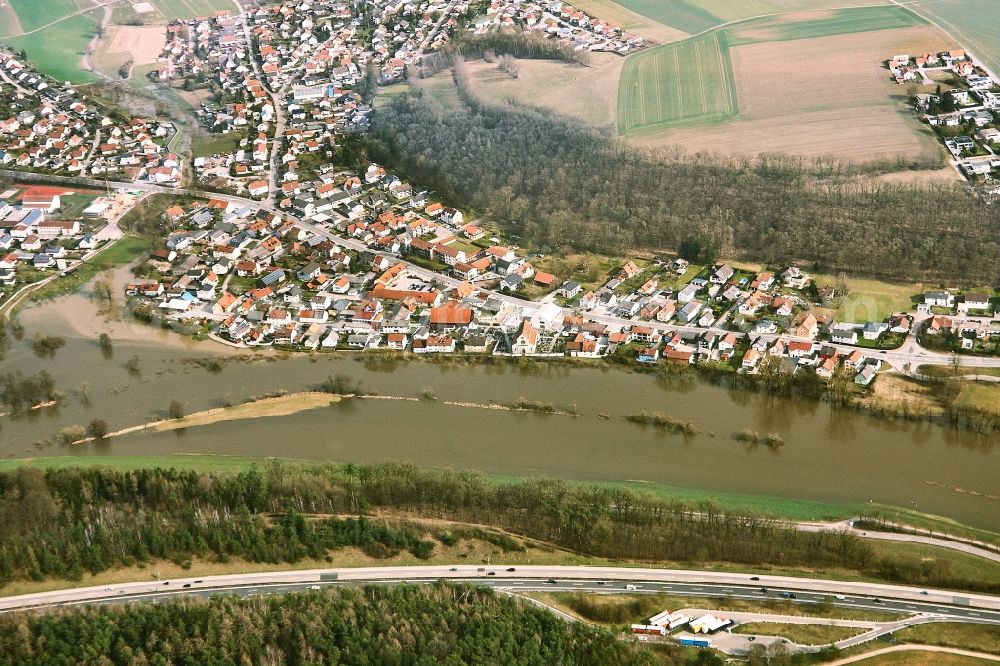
[(875, 596)]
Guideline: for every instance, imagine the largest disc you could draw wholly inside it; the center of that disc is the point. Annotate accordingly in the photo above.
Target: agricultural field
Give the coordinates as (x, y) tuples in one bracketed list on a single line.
[(696, 16), (810, 25), (9, 23), (689, 82), (58, 49), (686, 16), (585, 93), (33, 14), (811, 86), (175, 9), (972, 22), (140, 45), (143, 43), (631, 21)]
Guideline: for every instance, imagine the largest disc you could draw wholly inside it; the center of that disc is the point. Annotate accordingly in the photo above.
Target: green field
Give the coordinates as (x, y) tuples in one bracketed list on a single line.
[(73, 205), (689, 82), (174, 9), (33, 14), (803, 634), (697, 16), (57, 50), (984, 638), (123, 252), (837, 22), (975, 24), (686, 16), (871, 300), (210, 144)]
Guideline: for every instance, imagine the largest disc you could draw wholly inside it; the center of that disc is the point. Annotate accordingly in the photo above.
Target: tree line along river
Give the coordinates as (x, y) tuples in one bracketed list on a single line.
[(830, 455)]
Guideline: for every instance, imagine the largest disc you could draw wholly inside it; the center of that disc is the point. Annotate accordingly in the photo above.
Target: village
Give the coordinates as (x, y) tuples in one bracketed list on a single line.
[(560, 21), (962, 115), (301, 254), (361, 262), (51, 128)]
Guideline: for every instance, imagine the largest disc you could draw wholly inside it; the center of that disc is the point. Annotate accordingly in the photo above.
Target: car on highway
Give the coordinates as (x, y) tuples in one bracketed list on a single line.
[(551, 581), (187, 584), (511, 569), (878, 601), (453, 569), (199, 581), (763, 590), (314, 587), (491, 573), (924, 592), (754, 577), (840, 597), (631, 587), (166, 582)]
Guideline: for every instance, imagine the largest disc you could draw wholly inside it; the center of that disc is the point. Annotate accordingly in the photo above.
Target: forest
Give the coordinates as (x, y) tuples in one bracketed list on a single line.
[(429, 625), (63, 522), (557, 184)]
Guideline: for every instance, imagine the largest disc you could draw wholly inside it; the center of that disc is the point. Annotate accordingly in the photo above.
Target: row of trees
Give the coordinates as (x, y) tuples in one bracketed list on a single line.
[(558, 183), (62, 522), (373, 625)]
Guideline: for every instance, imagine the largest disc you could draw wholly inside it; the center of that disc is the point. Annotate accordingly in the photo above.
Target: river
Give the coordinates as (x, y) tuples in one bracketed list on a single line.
[(831, 455)]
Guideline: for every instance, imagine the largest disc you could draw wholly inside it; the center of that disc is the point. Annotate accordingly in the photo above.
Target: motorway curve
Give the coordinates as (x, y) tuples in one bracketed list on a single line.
[(877, 596)]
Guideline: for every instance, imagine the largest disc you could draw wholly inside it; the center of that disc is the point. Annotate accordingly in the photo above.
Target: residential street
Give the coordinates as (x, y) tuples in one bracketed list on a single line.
[(904, 359)]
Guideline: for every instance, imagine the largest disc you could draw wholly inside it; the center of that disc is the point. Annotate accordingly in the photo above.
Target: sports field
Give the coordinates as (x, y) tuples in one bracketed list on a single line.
[(689, 82), (974, 23), (58, 49)]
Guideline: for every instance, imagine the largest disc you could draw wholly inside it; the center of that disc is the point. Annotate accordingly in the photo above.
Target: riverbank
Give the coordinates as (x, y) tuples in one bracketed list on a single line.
[(832, 455), (784, 508), (892, 396)]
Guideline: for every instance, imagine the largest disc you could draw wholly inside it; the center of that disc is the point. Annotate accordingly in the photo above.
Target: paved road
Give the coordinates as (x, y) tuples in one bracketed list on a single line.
[(279, 114), (967, 547), (906, 647), (875, 596)]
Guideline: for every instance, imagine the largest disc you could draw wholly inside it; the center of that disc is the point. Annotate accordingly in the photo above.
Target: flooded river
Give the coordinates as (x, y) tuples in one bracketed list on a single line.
[(830, 454)]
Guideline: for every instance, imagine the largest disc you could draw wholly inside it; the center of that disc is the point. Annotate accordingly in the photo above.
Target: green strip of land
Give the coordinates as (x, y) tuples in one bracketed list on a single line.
[(775, 507)]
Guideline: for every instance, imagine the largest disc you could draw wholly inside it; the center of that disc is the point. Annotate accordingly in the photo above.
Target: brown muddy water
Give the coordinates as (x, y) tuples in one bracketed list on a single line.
[(830, 455)]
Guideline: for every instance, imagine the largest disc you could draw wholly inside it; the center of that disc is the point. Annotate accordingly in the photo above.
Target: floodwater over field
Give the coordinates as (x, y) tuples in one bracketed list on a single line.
[(830, 454)]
